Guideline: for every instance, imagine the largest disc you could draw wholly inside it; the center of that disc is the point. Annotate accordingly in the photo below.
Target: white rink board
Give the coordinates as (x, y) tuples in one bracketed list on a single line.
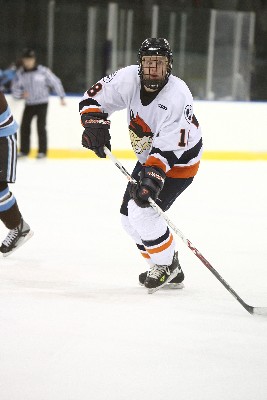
[(226, 126)]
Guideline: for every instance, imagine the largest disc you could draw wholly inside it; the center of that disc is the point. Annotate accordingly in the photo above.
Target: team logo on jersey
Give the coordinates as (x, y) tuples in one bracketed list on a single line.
[(162, 106), (109, 77), (140, 134), (188, 113)]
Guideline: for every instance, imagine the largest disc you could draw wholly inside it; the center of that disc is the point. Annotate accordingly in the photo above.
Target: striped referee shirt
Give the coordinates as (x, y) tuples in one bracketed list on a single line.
[(38, 83), (8, 125)]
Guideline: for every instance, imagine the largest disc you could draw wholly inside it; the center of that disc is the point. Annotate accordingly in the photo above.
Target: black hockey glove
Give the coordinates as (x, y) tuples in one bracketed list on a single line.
[(150, 184), (96, 132)]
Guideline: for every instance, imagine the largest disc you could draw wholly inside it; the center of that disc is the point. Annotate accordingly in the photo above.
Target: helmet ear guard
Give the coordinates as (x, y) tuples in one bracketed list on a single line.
[(155, 47)]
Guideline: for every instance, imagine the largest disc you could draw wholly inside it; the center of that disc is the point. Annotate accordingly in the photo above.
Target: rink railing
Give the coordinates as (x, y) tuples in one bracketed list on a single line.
[(231, 130)]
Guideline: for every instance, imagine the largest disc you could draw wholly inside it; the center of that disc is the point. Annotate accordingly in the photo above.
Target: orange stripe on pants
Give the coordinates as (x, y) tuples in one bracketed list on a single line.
[(161, 248)]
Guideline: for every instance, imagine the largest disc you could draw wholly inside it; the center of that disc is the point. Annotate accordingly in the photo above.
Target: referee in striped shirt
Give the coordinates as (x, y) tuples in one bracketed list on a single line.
[(33, 83)]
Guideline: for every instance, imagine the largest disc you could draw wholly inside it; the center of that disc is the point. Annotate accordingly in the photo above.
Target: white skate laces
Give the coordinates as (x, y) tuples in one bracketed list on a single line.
[(15, 238), (10, 237), (157, 270)]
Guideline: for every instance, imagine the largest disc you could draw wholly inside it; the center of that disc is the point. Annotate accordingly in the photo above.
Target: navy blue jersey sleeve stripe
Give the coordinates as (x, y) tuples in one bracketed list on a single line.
[(191, 153), (140, 247), (185, 157), (169, 155)]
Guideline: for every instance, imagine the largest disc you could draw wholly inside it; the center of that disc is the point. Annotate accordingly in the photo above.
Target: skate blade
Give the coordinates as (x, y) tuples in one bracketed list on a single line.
[(173, 286), (21, 242), (170, 286), (173, 275)]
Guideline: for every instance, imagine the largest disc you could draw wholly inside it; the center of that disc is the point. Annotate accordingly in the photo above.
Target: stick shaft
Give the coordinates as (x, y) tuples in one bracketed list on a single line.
[(250, 309)]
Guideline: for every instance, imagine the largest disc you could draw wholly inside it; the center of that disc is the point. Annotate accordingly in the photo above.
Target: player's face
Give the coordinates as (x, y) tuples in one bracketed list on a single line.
[(154, 67), (28, 62)]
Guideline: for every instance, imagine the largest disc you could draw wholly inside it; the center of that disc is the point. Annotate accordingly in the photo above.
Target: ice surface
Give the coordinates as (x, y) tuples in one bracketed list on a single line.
[(75, 325)]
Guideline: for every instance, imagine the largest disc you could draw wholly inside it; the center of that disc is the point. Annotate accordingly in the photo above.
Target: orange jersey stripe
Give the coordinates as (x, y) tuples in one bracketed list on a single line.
[(183, 172), (188, 171), (162, 247), (145, 255), (155, 162)]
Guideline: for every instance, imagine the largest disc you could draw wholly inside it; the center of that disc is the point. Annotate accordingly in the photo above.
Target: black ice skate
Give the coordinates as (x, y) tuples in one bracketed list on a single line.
[(16, 238), (160, 275), (175, 283)]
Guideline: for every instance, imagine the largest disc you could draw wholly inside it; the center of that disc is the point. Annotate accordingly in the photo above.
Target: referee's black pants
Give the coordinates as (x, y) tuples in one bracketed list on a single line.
[(30, 111)]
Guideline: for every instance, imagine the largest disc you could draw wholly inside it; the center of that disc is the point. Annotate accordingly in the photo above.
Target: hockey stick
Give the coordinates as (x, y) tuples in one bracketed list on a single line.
[(250, 309)]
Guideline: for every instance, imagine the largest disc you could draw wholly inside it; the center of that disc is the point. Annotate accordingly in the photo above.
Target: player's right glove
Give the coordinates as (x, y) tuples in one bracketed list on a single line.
[(96, 132), (150, 184)]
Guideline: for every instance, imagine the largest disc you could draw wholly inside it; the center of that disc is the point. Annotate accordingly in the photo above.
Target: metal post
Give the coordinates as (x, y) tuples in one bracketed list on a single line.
[(129, 37), (182, 44), (155, 18), (121, 37), (112, 35), (209, 94), (236, 57), (50, 33), (172, 29), (90, 45), (252, 21)]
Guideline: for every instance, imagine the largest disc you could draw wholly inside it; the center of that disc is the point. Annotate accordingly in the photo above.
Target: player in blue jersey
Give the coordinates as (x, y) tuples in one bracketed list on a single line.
[(19, 230)]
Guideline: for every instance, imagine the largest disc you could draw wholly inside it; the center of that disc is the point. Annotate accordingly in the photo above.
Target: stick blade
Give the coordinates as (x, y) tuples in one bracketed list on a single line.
[(260, 311), (255, 310)]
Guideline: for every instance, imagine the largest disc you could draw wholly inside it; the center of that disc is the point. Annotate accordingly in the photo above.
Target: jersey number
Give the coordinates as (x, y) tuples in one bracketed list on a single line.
[(182, 142), (94, 89)]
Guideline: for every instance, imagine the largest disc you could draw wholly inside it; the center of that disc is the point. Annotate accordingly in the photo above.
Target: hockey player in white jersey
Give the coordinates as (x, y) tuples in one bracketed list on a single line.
[(166, 138)]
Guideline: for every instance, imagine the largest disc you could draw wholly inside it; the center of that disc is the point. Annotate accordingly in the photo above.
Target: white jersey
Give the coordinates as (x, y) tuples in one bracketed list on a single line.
[(163, 132)]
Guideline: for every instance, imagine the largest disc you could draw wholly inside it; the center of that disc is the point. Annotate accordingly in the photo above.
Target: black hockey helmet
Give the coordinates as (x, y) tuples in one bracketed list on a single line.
[(155, 47)]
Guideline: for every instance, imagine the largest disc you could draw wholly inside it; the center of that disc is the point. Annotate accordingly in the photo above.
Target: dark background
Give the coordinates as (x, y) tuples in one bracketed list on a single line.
[(24, 23)]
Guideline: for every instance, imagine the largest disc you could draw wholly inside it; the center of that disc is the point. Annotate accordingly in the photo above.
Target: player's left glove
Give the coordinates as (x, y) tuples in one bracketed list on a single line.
[(150, 184), (96, 132)]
